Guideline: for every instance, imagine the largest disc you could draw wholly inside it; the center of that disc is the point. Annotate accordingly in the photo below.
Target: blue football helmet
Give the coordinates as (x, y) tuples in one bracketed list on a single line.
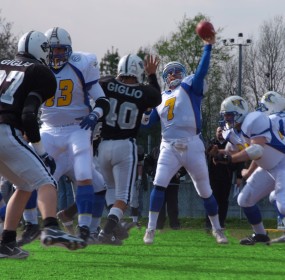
[(176, 69)]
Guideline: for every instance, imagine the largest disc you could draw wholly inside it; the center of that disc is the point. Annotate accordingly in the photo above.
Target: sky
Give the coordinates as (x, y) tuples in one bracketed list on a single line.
[(98, 25)]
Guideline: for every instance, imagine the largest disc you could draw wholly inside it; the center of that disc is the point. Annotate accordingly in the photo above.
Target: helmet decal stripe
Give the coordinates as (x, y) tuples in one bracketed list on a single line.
[(27, 41), (127, 62), (54, 33)]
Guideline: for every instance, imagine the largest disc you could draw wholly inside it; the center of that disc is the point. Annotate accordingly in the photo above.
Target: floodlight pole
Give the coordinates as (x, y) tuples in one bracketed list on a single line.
[(240, 44)]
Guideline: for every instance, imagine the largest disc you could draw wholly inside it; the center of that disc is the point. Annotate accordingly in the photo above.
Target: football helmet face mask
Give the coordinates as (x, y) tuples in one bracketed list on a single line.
[(131, 65), (233, 111), (59, 38), (271, 102), (36, 44), (173, 74)]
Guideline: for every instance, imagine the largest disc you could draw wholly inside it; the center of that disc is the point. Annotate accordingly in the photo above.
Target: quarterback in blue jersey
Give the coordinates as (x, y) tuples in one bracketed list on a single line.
[(181, 145)]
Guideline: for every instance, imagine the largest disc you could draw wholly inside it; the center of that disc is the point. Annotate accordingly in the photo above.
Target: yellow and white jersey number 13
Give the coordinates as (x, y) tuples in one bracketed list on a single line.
[(65, 98)]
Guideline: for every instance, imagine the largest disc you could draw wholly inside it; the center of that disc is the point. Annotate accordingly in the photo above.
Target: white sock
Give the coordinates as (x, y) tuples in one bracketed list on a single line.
[(259, 228), (215, 222), (95, 223), (84, 220), (152, 220), (31, 216), (135, 219)]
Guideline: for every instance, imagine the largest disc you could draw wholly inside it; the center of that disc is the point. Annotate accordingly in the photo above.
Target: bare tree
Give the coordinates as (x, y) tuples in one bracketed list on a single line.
[(264, 63), (8, 43)]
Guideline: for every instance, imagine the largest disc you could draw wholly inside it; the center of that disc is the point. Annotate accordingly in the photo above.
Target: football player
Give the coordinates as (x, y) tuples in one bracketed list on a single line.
[(181, 145), (68, 120), (25, 83), (117, 152), (265, 147), (273, 105)]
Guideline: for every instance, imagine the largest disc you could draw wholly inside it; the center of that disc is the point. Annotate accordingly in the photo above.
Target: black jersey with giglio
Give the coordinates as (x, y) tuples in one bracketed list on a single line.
[(19, 77), (128, 102)]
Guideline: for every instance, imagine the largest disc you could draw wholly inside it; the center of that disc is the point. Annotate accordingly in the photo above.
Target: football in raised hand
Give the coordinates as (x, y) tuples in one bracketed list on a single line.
[(205, 29)]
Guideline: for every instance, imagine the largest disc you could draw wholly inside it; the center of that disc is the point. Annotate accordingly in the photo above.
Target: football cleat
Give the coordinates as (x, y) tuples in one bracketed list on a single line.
[(129, 226), (220, 236), (83, 232), (110, 239), (149, 236), (12, 250), (93, 238), (30, 233), (66, 221), (255, 238), (53, 236)]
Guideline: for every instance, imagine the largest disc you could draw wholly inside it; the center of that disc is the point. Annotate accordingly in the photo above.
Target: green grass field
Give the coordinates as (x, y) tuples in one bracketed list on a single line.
[(190, 253)]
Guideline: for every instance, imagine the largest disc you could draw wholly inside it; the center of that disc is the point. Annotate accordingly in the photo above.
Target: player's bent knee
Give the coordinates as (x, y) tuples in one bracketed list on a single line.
[(243, 201)]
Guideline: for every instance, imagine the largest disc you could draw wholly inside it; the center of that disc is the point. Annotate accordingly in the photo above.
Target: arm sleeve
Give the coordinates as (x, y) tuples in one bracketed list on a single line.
[(30, 117), (202, 70), (104, 104), (152, 79)]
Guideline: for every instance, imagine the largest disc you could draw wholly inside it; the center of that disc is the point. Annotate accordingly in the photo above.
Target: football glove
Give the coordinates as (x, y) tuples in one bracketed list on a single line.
[(212, 150), (89, 121), (49, 162), (222, 158)]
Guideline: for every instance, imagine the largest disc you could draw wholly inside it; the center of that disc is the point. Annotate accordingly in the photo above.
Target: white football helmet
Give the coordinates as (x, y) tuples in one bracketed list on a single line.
[(233, 111), (131, 65), (59, 38), (271, 102), (36, 44), (173, 68)]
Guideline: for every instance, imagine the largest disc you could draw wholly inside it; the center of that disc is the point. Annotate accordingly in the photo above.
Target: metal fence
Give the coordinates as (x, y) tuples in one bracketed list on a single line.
[(191, 205)]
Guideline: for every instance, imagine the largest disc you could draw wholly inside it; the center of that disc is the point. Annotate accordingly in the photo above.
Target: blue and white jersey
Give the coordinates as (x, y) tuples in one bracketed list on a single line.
[(236, 141), (74, 83), (278, 119), (180, 109), (257, 124)]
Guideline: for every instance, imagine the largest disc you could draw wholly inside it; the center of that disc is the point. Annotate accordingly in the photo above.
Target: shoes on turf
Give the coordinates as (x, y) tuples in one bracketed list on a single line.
[(66, 221), (93, 238), (12, 251), (220, 236), (129, 225), (30, 233), (149, 236), (110, 239), (280, 239), (120, 231), (255, 238), (53, 236), (83, 232)]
